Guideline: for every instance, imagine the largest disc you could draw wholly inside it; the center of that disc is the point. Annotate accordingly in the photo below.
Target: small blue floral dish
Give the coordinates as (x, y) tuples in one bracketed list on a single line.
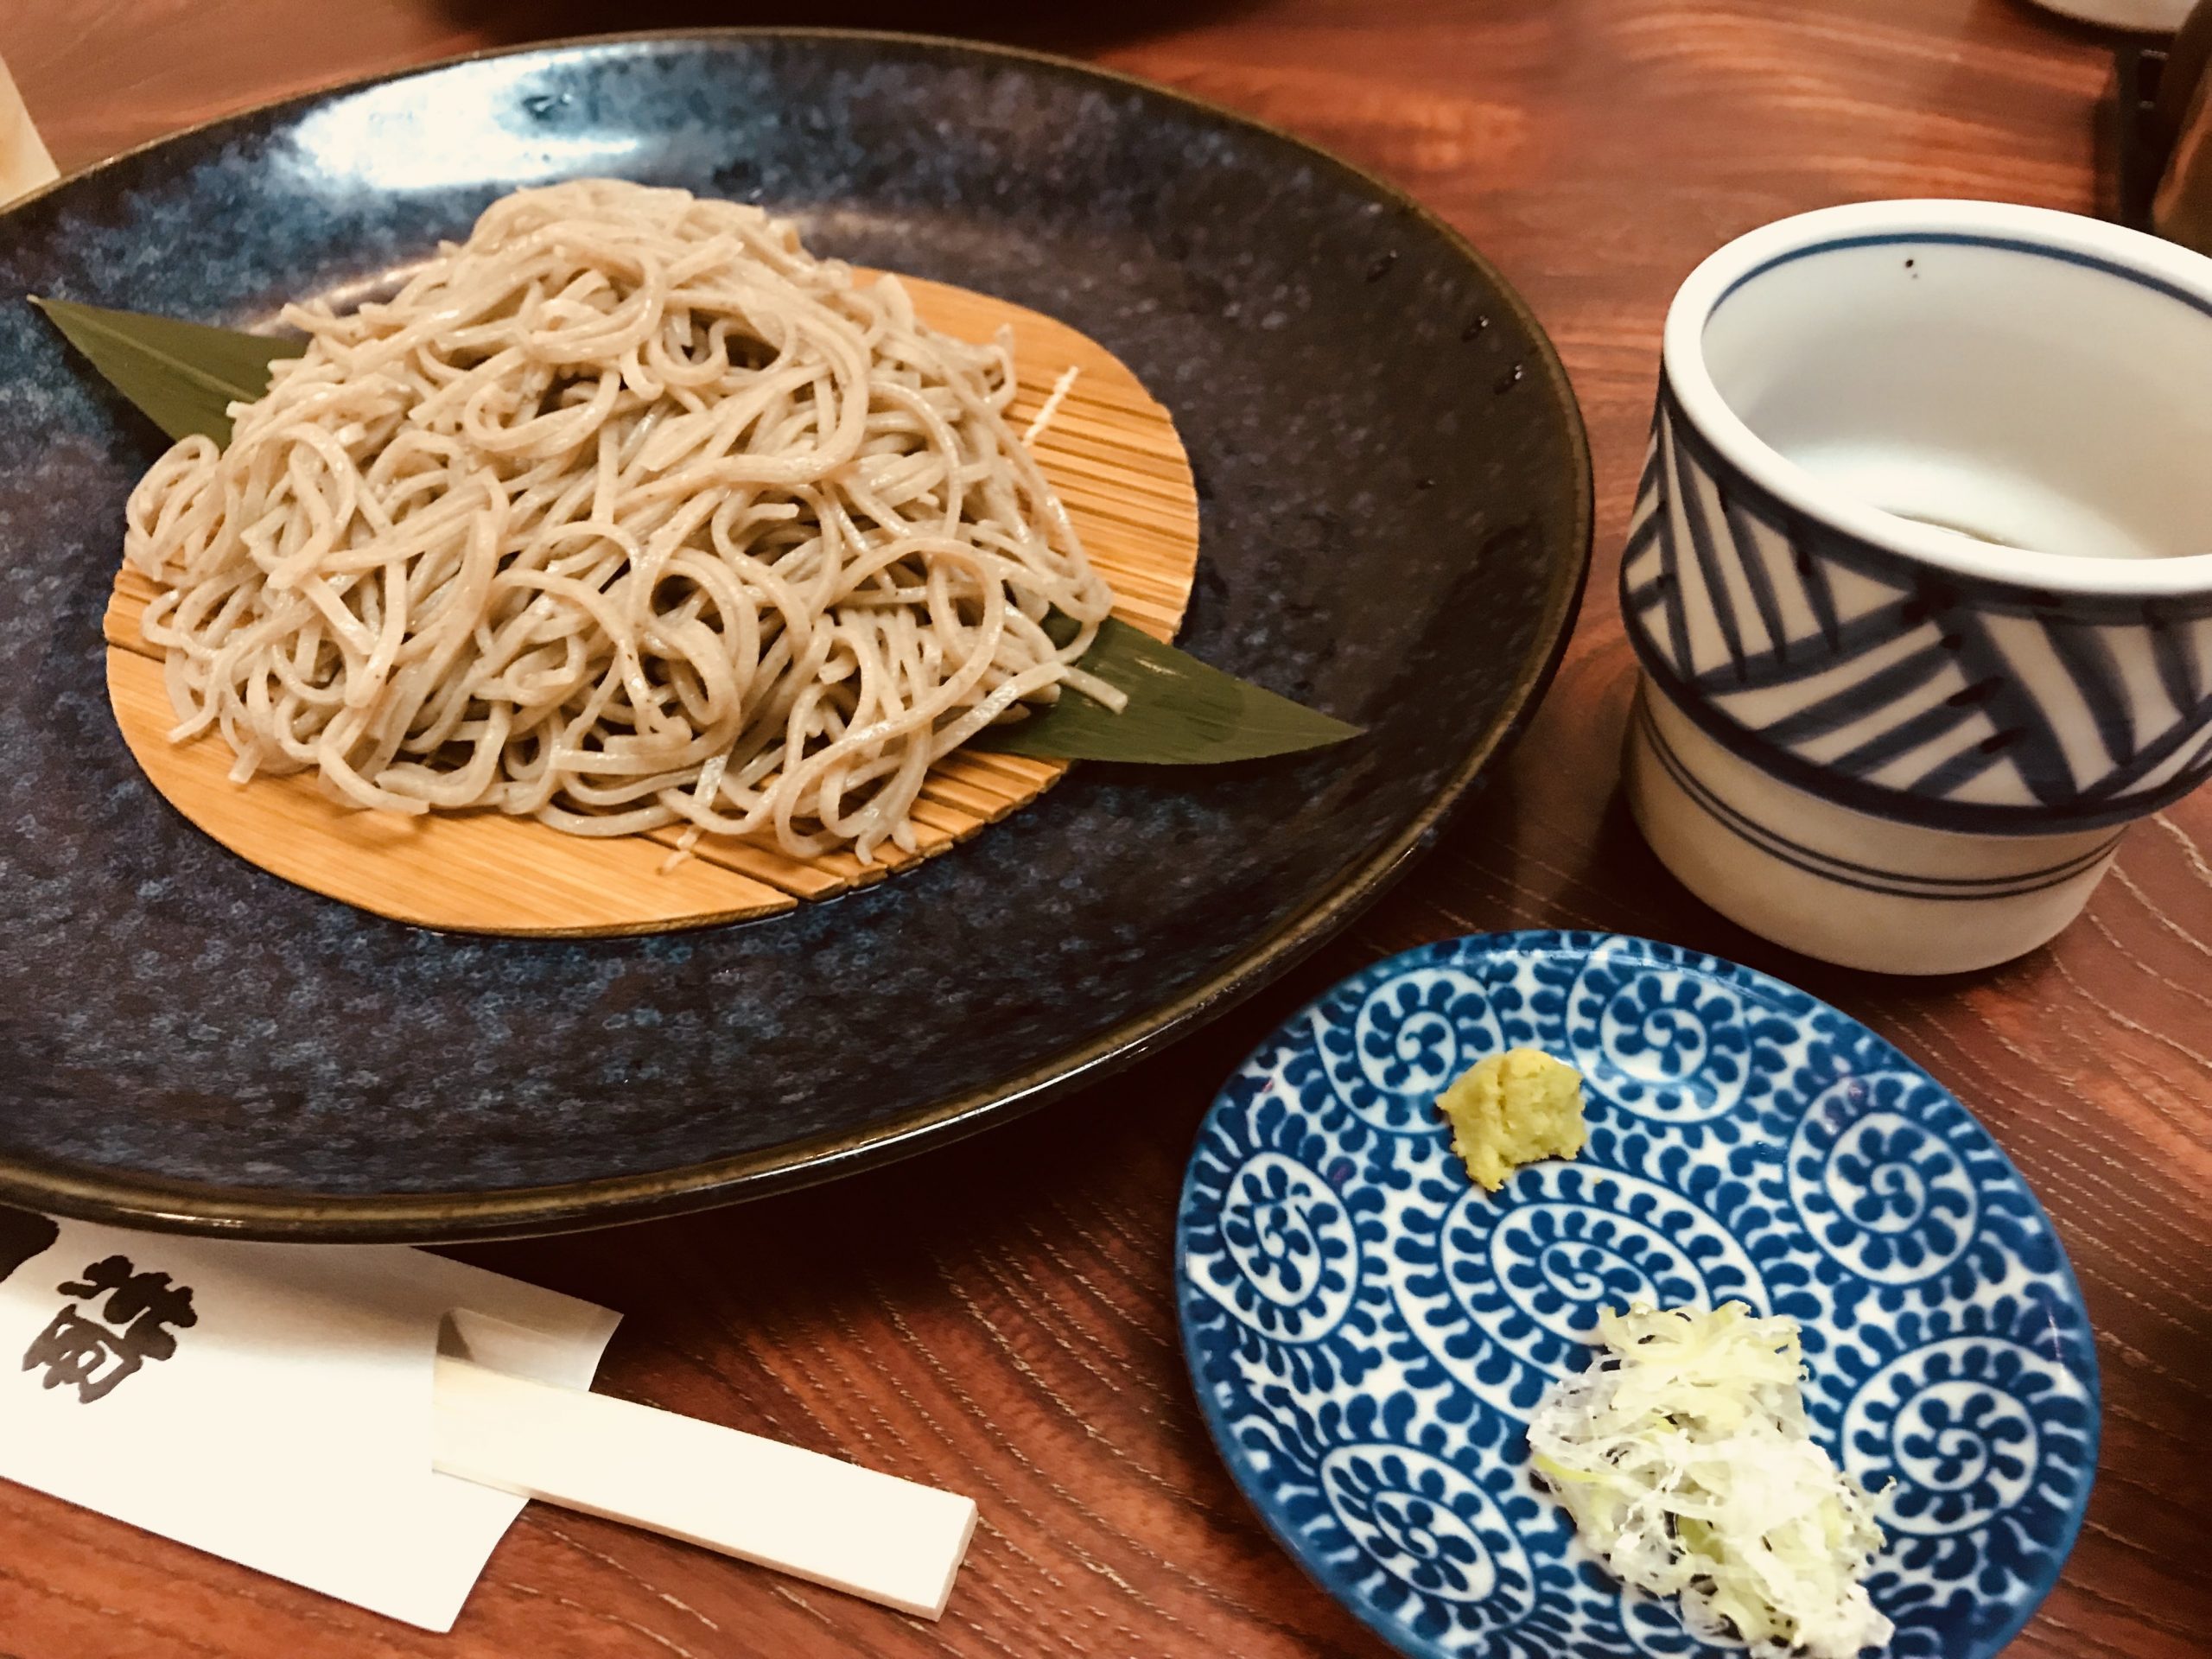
[(1369, 1331)]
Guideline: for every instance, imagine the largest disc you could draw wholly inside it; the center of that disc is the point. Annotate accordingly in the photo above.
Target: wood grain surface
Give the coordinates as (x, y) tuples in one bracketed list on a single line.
[(998, 1316), (1112, 455)]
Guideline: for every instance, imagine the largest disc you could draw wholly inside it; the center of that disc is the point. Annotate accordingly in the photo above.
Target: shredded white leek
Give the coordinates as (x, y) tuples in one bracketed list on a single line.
[(1685, 1456)]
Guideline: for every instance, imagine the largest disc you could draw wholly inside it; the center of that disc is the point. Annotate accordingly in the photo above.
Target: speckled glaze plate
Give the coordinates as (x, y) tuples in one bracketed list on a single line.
[(1395, 506), (1368, 1331)]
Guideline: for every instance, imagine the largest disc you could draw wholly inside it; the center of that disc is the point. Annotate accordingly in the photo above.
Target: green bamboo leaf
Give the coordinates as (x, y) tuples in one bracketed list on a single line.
[(183, 376), (1181, 711)]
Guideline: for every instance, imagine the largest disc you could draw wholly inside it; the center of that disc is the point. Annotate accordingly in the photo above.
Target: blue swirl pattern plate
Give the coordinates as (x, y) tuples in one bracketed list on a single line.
[(1368, 1331)]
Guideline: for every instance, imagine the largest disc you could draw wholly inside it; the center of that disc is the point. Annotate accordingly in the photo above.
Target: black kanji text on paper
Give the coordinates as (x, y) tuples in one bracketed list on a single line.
[(94, 1351)]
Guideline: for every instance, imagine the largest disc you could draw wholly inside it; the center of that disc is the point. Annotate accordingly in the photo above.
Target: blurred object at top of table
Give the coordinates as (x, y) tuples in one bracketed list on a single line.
[(2147, 17), (2181, 207), (24, 164)]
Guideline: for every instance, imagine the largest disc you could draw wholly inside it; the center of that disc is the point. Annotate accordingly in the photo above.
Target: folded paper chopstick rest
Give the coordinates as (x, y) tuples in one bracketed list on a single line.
[(368, 1421)]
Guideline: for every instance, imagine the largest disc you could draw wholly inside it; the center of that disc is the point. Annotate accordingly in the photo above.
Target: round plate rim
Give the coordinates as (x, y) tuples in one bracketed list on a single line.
[(455, 1216), (1581, 942)]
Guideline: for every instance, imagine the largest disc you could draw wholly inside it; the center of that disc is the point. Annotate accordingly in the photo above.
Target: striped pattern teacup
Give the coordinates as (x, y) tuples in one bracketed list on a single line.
[(1920, 573)]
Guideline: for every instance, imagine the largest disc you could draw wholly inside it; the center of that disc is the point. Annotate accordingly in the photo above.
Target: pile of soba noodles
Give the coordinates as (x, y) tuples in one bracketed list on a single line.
[(624, 513)]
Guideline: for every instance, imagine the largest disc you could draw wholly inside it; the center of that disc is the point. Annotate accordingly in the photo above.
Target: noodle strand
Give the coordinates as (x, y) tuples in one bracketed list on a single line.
[(626, 512)]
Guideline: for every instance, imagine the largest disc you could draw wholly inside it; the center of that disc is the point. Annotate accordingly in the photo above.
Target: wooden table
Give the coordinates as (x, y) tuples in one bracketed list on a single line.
[(998, 1316)]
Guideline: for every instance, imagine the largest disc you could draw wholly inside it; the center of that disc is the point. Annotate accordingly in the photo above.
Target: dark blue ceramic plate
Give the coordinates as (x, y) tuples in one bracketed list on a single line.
[(1369, 1331), (1395, 498)]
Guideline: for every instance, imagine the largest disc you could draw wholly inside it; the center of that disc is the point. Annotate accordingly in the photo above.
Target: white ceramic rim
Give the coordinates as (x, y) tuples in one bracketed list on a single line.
[(1683, 359)]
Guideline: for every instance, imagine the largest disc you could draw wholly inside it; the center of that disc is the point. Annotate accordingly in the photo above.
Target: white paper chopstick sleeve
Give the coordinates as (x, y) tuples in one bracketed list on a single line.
[(813, 1517)]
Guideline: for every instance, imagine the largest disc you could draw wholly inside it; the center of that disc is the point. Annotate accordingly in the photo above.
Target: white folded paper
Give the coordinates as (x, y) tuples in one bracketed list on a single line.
[(271, 1403)]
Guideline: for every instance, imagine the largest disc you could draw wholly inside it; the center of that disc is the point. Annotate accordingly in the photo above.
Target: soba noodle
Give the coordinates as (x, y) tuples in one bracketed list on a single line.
[(626, 512)]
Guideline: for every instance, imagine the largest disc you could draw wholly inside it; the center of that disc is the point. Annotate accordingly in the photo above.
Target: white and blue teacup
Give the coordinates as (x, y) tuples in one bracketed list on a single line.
[(1920, 573)]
